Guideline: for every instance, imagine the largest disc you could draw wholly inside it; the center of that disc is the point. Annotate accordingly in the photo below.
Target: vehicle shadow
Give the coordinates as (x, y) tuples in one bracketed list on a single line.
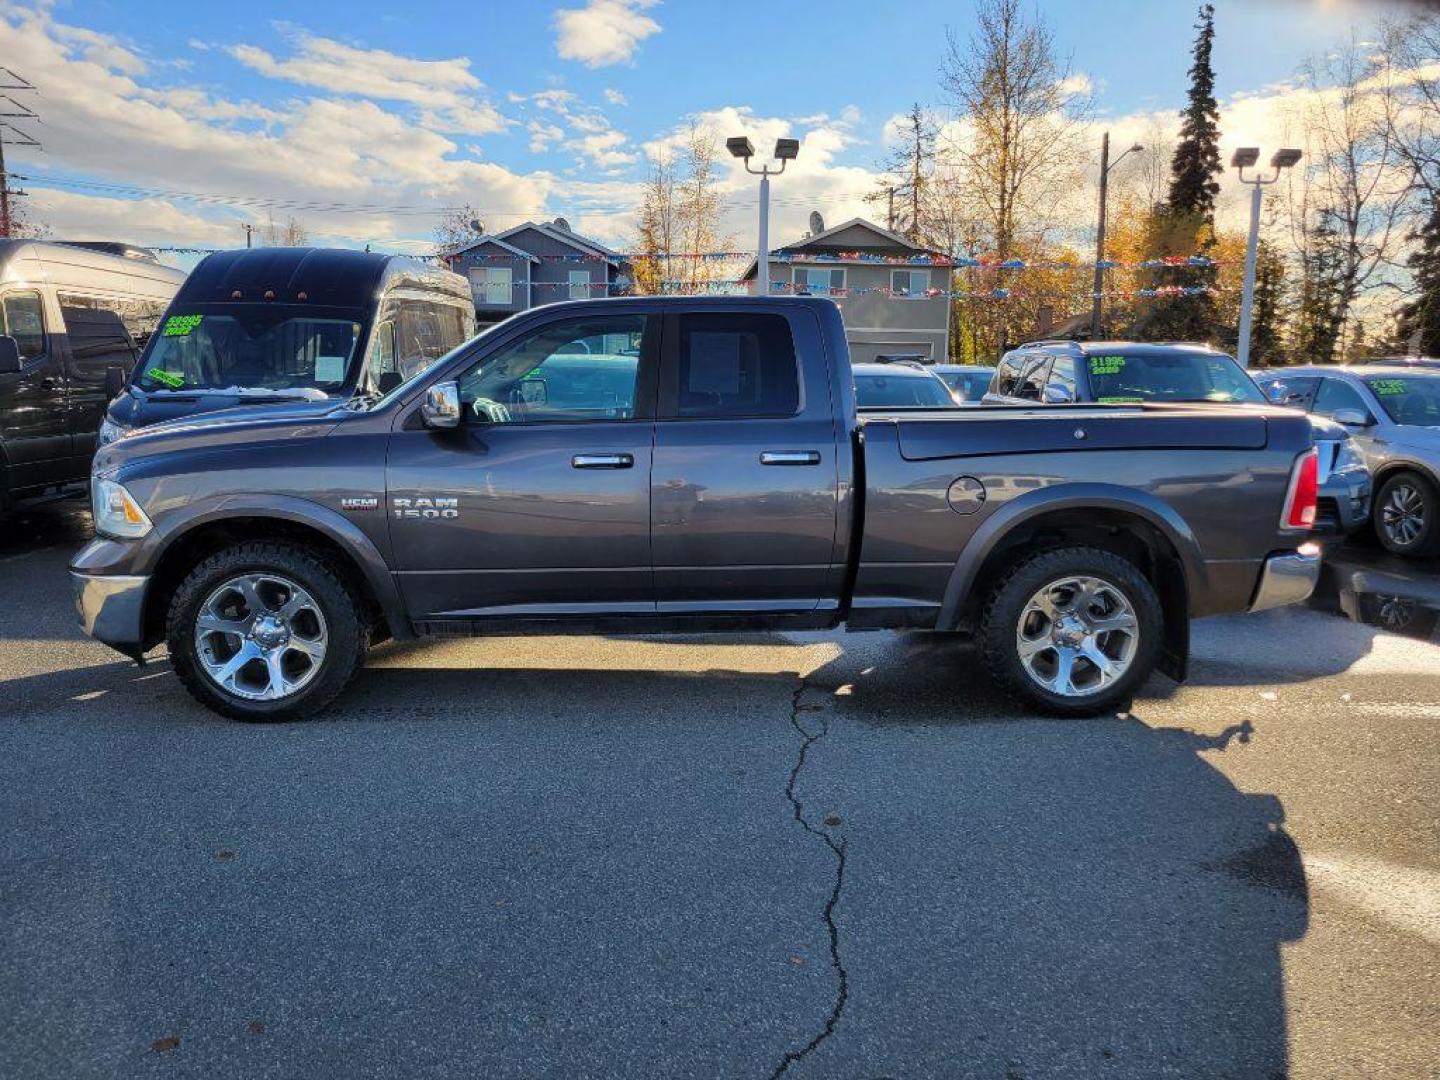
[(1034, 898)]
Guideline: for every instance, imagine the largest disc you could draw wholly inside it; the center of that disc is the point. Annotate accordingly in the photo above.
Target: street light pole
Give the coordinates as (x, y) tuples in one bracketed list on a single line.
[(1099, 281), (785, 150), (1243, 158)]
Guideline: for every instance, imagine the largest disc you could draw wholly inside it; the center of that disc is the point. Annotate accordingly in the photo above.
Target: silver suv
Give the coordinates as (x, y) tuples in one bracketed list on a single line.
[(1393, 416)]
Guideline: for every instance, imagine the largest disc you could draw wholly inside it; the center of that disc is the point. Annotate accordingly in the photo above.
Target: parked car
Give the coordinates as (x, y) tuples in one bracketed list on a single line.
[(1393, 416), (889, 385), (1402, 361), (727, 483), (295, 328), (967, 381), (72, 316), (1122, 372)]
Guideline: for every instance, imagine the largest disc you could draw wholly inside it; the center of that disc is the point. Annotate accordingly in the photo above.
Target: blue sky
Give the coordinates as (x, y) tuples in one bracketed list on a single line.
[(528, 107)]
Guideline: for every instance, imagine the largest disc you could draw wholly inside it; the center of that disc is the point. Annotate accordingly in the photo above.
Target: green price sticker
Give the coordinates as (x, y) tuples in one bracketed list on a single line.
[(1388, 386), (180, 325), (1120, 400), (1106, 365), (168, 378)]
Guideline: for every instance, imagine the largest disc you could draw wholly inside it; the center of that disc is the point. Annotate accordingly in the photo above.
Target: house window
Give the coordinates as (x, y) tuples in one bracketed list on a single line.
[(579, 284), (818, 280), (913, 283), (492, 285)]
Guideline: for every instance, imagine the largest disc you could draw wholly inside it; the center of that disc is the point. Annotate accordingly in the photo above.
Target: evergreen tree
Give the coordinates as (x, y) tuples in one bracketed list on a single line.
[(1319, 310), (1422, 315), (1196, 162), (1186, 222), (905, 191), (1265, 344)]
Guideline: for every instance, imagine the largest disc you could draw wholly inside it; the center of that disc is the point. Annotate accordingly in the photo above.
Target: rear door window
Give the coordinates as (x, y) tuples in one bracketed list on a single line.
[(1062, 377), (1296, 392), (733, 364), (97, 332), (1334, 395)]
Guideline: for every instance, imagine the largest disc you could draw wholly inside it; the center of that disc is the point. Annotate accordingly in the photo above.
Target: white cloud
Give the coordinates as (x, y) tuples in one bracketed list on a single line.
[(445, 89), (603, 32), (615, 97), (543, 135), (604, 150)]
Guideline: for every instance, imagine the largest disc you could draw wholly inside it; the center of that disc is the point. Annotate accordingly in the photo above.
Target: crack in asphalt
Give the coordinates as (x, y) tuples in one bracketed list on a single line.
[(838, 850)]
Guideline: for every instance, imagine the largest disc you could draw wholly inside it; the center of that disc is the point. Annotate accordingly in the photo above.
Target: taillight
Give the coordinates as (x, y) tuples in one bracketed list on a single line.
[(1304, 492)]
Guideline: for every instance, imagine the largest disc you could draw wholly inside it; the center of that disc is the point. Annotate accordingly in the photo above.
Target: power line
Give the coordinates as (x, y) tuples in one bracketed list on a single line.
[(17, 137)]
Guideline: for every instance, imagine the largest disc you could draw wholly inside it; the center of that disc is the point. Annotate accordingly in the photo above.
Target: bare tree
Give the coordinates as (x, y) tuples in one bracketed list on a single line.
[(907, 190), (1411, 96), (659, 225), (1358, 183), (460, 226), (1019, 115), (287, 233), (698, 207)]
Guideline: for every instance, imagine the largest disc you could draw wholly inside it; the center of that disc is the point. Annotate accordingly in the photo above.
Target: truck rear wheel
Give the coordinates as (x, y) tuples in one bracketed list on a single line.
[(265, 631), (1072, 631)]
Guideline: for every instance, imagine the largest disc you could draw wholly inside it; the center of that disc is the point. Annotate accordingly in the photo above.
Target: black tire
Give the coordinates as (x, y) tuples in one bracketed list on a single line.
[(345, 624), (1387, 528), (1005, 607)]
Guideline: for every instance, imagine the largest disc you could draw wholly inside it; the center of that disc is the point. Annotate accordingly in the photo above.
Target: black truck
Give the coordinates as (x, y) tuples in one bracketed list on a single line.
[(687, 464)]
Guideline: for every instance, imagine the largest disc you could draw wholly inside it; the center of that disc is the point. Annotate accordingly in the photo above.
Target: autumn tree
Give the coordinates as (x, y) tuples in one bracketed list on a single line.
[(679, 218), (287, 233), (1019, 116)]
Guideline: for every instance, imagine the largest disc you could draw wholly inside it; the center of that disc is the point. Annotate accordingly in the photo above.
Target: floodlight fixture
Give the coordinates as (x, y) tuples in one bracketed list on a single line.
[(787, 149), (1284, 159), (1245, 157), (740, 146)]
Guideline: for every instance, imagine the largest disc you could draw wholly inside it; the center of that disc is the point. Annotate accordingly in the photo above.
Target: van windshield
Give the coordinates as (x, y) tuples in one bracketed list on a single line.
[(275, 350)]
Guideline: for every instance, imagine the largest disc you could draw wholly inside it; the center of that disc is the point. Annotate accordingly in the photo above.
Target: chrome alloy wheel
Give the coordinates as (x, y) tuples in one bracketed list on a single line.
[(260, 637), (1077, 635), (1403, 515)]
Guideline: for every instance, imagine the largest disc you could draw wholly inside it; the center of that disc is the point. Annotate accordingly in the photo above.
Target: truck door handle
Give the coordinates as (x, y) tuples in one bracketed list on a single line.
[(800, 457), (602, 461)]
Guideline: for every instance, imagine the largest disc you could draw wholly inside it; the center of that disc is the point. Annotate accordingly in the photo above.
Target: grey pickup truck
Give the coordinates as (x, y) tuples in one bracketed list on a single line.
[(687, 464)]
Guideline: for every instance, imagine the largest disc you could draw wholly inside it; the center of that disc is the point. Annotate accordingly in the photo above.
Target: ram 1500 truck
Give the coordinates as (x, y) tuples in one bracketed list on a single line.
[(687, 464)]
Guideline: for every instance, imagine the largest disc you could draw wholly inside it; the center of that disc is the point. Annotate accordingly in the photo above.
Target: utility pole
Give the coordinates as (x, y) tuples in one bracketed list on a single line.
[(248, 230), (890, 213), (1099, 283), (13, 135)]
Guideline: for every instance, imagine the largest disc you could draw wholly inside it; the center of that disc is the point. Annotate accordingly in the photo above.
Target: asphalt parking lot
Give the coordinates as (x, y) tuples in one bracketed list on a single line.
[(811, 855)]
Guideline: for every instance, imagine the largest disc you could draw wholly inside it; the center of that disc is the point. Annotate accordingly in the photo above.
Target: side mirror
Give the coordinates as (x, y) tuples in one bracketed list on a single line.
[(1056, 395), (1352, 418), (114, 381), (441, 407), (9, 356)]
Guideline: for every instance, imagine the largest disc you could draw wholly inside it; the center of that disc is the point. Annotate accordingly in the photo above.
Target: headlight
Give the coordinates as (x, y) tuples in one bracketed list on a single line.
[(117, 514), (110, 431), (1347, 458)]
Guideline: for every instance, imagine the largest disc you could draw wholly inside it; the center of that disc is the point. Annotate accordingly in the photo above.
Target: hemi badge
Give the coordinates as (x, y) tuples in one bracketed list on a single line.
[(368, 502)]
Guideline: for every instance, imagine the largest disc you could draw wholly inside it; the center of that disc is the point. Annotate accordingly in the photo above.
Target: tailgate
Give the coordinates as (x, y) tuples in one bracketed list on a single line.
[(1037, 433)]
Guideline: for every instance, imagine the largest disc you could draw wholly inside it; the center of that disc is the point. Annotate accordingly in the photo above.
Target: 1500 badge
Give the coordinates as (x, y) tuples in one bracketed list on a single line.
[(425, 508)]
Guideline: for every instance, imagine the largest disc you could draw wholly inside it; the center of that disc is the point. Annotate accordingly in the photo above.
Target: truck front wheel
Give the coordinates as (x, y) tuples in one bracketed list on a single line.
[(1072, 631), (265, 631)]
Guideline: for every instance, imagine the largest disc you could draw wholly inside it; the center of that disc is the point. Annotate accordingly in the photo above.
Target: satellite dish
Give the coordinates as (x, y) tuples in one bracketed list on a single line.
[(817, 223), (561, 223), (477, 226)]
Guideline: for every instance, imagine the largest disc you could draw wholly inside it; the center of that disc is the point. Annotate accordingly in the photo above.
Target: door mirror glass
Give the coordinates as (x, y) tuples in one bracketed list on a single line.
[(441, 407), (1352, 417), (9, 355), (1055, 394)]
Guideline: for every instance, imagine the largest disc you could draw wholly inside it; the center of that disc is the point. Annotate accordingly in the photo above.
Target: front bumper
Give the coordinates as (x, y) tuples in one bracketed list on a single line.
[(1287, 579), (111, 608)]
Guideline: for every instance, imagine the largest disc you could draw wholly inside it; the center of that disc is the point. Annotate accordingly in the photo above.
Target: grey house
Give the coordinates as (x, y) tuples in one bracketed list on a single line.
[(885, 307), (534, 264)]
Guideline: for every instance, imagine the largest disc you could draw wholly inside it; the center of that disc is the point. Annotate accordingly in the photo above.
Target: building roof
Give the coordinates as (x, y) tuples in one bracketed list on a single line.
[(582, 244), (821, 245)]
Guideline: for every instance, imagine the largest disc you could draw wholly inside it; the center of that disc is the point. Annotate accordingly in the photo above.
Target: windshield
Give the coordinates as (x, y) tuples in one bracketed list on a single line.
[(1170, 377), (970, 385), (270, 350), (1408, 399), (873, 391)]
